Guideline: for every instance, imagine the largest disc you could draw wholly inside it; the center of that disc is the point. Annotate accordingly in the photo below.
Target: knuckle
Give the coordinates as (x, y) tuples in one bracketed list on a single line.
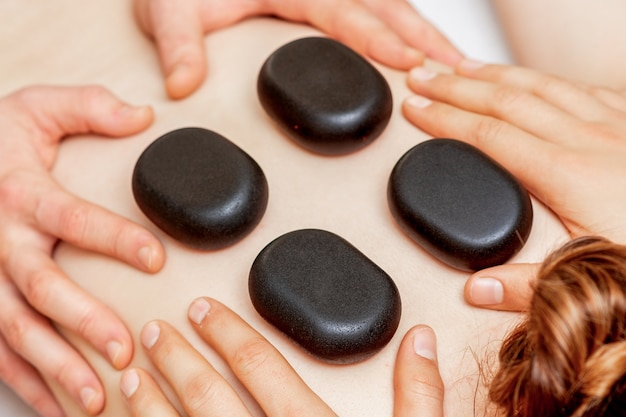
[(202, 392), (88, 320), (426, 386), (486, 131), (506, 98), (14, 333), (74, 222), (251, 356), (37, 289), (13, 190)]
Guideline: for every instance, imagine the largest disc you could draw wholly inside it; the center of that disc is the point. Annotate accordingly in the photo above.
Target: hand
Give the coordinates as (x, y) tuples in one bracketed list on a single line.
[(35, 213), (262, 370), (565, 142), (389, 31)]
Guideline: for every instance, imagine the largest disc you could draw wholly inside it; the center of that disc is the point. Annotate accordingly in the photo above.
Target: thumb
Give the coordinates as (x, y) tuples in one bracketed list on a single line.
[(177, 29), (418, 387), (504, 287)]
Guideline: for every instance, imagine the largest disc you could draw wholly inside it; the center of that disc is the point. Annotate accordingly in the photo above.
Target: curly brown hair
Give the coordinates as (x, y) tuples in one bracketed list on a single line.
[(568, 356)]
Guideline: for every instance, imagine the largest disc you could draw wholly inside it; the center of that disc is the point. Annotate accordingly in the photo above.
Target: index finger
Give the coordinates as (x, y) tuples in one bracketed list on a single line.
[(268, 376), (88, 226), (356, 25), (201, 389), (415, 30)]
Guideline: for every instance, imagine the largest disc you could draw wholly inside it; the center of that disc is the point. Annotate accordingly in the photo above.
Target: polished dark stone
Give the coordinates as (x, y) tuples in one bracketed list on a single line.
[(459, 204), (200, 188), (324, 95), (326, 295)]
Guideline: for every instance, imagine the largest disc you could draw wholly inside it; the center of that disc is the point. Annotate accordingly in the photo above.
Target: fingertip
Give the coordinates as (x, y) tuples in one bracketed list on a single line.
[(198, 310), (419, 389), (451, 57), (467, 65), (150, 334), (143, 394), (506, 287), (410, 57), (183, 80), (413, 109), (151, 257), (424, 342), (115, 351), (483, 291), (417, 102), (120, 352), (129, 383), (144, 115), (92, 400), (140, 113), (395, 53), (419, 343), (109, 114)]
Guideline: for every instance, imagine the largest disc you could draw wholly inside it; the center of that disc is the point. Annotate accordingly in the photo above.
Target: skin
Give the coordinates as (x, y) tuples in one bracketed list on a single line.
[(509, 292), (569, 38), (358, 198), (564, 141), (510, 114), (35, 214), (202, 391), (388, 31)]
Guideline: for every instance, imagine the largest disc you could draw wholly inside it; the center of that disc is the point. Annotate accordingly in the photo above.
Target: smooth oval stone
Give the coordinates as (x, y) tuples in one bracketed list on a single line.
[(459, 204), (324, 95), (326, 295), (200, 188)]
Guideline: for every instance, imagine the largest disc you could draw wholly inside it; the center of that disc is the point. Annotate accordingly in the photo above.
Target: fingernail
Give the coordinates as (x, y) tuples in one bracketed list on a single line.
[(150, 334), (145, 255), (470, 64), (418, 102), (129, 109), (113, 350), (129, 383), (486, 291), (422, 74), (198, 310), (87, 395), (425, 343)]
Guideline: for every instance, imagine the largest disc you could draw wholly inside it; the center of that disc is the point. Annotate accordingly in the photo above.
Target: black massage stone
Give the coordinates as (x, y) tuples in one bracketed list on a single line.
[(326, 295), (200, 188), (324, 95), (459, 204)]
